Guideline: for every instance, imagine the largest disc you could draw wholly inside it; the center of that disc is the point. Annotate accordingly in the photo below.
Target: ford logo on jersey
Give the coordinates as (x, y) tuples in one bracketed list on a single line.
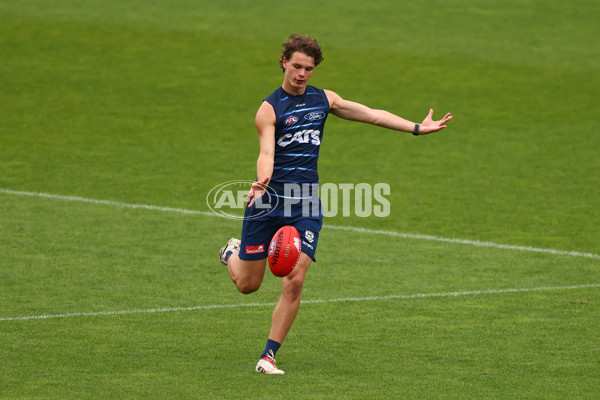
[(315, 115)]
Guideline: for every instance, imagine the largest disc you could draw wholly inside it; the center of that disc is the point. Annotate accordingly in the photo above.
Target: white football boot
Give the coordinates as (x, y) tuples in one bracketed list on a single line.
[(233, 246), (266, 365)]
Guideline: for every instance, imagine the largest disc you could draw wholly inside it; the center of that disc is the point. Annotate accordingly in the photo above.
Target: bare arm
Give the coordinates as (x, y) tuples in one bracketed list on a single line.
[(357, 112), (265, 125)]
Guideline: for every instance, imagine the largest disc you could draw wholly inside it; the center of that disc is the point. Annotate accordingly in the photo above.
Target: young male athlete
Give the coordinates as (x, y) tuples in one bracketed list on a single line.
[(290, 124)]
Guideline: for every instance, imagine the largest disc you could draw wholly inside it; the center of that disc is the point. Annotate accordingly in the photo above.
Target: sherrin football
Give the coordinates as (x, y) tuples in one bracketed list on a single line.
[(284, 251)]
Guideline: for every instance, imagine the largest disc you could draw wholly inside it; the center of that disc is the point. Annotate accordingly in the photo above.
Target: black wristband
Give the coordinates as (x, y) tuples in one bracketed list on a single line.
[(416, 131)]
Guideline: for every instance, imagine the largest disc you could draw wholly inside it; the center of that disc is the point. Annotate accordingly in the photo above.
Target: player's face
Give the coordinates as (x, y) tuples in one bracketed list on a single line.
[(298, 70)]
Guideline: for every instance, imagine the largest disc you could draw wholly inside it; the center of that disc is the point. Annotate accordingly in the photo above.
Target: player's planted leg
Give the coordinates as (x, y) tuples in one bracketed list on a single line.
[(284, 313), (289, 302)]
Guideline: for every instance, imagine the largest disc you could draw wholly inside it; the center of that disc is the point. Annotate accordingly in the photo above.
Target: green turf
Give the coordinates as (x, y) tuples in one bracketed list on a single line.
[(152, 102)]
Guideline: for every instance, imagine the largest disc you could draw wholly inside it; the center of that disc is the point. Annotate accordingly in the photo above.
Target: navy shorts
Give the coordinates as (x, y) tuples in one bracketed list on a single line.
[(260, 226)]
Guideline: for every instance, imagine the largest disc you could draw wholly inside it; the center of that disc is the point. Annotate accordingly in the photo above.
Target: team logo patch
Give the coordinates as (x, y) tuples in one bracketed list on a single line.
[(272, 247), (255, 249), (315, 115), (291, 120), (309, 235)]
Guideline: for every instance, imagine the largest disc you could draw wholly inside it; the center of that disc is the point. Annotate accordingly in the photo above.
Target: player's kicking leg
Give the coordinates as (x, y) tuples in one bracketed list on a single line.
[(247, 275)]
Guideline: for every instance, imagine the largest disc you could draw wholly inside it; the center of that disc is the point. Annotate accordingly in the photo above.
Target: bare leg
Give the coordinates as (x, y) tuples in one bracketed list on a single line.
[(247, 275), (289, 302)]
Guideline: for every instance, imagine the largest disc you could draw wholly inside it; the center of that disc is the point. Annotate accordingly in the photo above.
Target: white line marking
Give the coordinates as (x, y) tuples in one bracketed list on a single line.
[(106, 202), (343, 228), (338, 300), (464, 241)]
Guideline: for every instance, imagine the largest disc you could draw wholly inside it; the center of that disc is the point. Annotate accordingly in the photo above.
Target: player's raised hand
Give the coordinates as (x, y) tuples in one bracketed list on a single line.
[(429, 125), (257, 190)]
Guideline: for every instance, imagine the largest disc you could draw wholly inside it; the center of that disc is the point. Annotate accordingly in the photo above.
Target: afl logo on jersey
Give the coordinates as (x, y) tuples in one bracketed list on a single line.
[(314, 116), (291, 120)]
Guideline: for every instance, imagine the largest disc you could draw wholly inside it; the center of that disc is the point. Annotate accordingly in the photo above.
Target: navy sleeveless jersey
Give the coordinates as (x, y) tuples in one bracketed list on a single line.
[(298, 134)]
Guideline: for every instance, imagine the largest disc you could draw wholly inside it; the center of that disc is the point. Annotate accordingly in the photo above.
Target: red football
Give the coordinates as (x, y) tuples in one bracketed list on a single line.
[(284, 251)]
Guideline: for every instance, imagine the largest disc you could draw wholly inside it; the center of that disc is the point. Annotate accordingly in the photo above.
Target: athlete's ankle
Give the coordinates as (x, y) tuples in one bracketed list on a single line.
[(271, 348)]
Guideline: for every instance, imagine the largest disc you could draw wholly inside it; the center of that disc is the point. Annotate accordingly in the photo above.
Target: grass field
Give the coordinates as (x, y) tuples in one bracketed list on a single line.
[(483, 283)]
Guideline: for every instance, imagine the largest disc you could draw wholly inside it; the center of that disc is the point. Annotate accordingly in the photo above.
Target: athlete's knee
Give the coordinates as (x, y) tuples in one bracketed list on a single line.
[(249, 276), (247, 289), (292, 286), (248, 286)]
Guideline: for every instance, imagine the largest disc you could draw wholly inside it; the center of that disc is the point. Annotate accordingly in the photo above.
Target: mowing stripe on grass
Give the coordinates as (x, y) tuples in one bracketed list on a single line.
[(328, 226), (338, 300)]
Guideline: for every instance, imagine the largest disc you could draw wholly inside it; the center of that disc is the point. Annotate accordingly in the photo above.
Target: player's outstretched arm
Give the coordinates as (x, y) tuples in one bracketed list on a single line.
[(265, 125), (358, 112)]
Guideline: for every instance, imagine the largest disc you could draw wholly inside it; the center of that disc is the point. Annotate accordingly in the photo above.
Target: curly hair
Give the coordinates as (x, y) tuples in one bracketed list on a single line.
[(303, 44)]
